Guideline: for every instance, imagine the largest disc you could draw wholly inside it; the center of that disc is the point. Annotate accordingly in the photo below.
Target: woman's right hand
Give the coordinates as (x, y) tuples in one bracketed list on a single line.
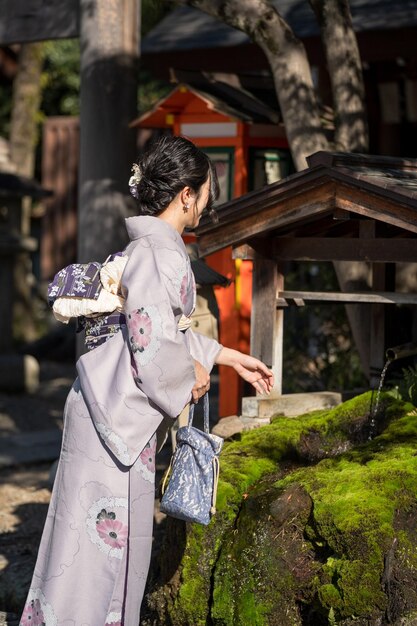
[(202, 381)]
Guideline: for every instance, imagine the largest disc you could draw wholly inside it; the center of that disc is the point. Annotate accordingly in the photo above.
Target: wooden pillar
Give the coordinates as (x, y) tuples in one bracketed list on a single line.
[(377, 337), (266, 320), (278, 341), (109, 33), (383, 279)]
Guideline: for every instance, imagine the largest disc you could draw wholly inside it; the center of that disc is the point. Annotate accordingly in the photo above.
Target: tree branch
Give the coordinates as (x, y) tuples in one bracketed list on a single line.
[(289, 64), (345, 69)]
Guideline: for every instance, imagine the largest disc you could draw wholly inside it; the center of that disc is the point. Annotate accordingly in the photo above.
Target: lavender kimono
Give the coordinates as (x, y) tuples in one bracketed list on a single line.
[(95, 549)]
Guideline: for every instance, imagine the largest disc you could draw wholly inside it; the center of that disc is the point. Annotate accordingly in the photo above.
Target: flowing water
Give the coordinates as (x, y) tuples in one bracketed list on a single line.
[(374, 409)]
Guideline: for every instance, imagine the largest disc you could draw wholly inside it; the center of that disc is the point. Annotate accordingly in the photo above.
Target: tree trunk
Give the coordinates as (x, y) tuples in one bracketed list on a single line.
[(345, 70), (290, 69), (351, 135), (297, 98), (109, 69), (25, 109), (23, 139)]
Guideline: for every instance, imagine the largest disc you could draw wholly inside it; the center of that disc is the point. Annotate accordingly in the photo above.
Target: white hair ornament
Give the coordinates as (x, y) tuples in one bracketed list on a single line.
[(134, 180)]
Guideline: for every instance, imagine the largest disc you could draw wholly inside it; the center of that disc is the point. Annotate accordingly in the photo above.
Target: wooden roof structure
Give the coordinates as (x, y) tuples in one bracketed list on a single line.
[(14, 185), (187, 28), (188, 38), (343, 207), (323, 201), (218, 98)]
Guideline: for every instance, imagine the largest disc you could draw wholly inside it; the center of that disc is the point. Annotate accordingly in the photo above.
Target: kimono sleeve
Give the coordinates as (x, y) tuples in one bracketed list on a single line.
[(202, 348), (162, 365)]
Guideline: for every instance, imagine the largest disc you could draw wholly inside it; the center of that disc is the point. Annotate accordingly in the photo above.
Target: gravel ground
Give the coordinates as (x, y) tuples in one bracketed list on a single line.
[(24, 489)]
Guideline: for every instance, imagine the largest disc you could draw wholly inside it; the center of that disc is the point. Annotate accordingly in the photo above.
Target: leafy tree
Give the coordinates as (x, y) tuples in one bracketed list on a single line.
[(61, 78), (319, 353)]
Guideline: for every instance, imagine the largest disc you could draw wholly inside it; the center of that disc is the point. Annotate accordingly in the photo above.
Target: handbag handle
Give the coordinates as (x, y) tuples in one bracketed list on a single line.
[(206, 413)]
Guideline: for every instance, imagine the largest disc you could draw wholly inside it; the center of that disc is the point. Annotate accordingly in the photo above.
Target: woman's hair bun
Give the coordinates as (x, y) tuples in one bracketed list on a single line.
[(170, 164)]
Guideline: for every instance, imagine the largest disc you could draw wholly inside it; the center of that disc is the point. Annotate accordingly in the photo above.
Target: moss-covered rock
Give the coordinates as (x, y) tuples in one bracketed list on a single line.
[(316, 524)]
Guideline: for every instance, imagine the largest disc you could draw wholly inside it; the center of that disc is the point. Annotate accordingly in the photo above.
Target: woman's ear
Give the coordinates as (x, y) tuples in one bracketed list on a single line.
[(186, 196)]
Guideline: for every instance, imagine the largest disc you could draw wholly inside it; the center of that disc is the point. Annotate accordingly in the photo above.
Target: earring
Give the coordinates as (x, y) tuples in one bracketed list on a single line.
[(186, 207)]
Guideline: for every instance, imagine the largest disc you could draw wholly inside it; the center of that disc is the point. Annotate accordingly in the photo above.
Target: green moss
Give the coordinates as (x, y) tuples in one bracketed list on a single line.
[(250, 581), (243, 568), (330, 597), (355, 499), (406, 552), (191, 606)]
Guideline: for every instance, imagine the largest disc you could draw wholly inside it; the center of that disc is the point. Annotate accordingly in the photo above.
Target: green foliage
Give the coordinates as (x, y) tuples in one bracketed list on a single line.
[(61, 75), (404, 387), (61, 78), (319, 352), (332, 618), (150, 90), (153, 11)]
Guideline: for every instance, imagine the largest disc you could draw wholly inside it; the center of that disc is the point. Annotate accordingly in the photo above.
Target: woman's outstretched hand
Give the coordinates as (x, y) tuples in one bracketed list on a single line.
[(202, 381), (254, 372), (249, 368)]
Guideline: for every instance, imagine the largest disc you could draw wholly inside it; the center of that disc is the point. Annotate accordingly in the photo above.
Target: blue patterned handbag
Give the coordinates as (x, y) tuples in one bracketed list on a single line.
[(193, 472)]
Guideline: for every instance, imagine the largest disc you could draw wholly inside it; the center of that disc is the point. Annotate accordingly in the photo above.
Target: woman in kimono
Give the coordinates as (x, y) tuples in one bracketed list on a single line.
[(145, 366)]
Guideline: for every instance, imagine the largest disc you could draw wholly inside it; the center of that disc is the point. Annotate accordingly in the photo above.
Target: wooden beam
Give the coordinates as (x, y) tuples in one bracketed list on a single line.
[(341, 215), (244, 252), (350, 249), (379, 297), (373, 202), (305, 207)]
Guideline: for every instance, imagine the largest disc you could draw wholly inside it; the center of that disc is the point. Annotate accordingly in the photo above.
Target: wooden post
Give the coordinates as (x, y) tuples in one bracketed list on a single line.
[(278, 340), (266, 321), (378, 322), (377, 337), (383, 277), (109, 33)]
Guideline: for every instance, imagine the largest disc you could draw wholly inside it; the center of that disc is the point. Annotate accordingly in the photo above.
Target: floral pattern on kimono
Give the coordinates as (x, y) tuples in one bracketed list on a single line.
[(145, 465), (37, 611), (105, 530), (153, 307), (145, 327), (145, 373), (78, 279), (113, 619), (115, 441), (95, 550)]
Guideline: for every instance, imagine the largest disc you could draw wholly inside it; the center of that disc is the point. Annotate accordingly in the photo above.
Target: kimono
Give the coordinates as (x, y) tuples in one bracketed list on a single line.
[(95, 549)]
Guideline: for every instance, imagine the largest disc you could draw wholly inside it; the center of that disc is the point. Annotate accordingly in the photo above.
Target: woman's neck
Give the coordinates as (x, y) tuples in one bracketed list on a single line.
[(174, 218)]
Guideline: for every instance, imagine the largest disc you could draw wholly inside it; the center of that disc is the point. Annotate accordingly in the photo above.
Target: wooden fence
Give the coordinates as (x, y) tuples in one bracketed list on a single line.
[(58, 246)]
